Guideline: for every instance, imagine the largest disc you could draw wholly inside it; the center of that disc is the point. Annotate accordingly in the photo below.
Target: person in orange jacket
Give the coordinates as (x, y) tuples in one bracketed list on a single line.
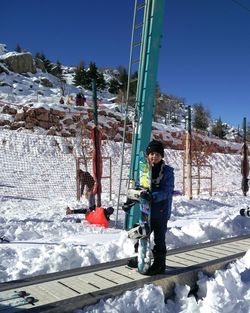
[(98, 216)]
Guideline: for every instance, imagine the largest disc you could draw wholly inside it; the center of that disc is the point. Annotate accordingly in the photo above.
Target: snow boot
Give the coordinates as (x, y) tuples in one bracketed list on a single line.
[(92, 208), (4, 239), (133, 262), (69, 211), (159, 264)]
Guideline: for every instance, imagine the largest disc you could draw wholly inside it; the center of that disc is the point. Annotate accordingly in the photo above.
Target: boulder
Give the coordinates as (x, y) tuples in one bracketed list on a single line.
[(9, 110), (20, 62), (46, 83)]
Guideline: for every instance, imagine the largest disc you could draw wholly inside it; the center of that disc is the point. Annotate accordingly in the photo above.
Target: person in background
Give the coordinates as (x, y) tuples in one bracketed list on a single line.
[(80, 99), (87, 184), (61, 101), (84, 100), (160, 196), (98, 216)]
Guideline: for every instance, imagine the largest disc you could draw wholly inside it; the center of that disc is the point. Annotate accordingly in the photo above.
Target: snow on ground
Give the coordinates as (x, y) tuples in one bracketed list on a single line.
[(37, 183)]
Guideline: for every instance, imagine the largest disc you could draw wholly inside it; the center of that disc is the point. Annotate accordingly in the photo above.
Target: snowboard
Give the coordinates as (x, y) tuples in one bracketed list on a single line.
[(142, 231)]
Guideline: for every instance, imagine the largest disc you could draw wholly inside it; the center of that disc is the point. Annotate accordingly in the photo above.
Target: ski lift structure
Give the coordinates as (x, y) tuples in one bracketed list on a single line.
[(244, 161), (144, 59)]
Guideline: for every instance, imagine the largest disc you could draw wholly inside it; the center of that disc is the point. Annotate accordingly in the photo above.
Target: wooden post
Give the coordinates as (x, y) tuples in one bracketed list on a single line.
[(184, 175), (189, 156), (78, 196), (110, 180), (199, 180), (211, 183)]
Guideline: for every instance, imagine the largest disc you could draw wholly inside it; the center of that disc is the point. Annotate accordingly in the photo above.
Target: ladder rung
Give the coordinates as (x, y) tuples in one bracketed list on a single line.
[(140, 6), (133, 80), (136, 44), (137, 26), (135, 61)]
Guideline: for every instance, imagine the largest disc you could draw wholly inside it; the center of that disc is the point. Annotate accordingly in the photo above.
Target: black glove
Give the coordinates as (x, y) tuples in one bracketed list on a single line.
[(146, 194)]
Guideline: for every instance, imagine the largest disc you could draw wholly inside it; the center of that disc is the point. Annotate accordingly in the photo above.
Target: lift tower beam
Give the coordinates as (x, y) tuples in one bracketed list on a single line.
[(146, 90)]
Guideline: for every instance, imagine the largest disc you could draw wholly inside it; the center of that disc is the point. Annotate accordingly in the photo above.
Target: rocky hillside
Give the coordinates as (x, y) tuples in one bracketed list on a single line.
[(29, 99), (74, 121)]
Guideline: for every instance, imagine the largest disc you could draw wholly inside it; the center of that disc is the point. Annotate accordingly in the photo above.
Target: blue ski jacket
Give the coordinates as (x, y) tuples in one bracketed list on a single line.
[(162, 194)]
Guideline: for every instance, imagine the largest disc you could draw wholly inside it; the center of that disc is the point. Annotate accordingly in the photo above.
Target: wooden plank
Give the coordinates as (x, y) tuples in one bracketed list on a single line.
[(181, 259), (117, 277), (174, 264), (222, 250), (230, 248), (50, 292), (99, 282), (214, 252), (245, 244), (202, 254), (130, 272), (79, 283)]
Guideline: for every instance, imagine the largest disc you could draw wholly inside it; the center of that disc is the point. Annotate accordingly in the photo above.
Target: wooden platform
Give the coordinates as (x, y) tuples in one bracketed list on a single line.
[(69, 290)]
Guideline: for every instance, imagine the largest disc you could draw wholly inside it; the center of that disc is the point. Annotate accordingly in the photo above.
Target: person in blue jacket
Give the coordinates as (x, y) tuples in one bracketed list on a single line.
[(160, 195)]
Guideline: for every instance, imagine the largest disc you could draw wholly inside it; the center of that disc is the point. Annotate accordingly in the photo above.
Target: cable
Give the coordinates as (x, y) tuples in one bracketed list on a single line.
[(241, 5)]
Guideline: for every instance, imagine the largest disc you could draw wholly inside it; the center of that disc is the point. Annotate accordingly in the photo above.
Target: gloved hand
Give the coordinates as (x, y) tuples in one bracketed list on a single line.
[(146, 194)]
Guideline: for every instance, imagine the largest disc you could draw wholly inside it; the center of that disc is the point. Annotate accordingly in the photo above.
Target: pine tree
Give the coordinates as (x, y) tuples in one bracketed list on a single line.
[(40, 56), (248, 132), (201, 117), (80, 76), (56, 70), (159, 108), (123, 77), (18, 48), (92, 71), (100, 82), (133, 86), (114, 86), (219, 129), (47, 63), (93, 74), (123, 81)]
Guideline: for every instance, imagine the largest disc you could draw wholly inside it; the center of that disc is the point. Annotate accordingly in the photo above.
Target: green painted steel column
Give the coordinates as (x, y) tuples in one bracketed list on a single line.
[(146, 90), (244, 161)]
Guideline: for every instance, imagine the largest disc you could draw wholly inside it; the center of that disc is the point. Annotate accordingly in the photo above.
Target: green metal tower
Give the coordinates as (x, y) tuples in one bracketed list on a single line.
[(146, 89), (244, 161)]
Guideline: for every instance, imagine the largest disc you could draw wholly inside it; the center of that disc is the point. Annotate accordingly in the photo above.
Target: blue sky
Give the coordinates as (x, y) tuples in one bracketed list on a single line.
[(205, 54)]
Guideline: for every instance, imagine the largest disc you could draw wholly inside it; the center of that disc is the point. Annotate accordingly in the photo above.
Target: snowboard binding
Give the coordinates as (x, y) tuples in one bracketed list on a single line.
[(135, 194), (245, 212), (128, 205), (139, 232)]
